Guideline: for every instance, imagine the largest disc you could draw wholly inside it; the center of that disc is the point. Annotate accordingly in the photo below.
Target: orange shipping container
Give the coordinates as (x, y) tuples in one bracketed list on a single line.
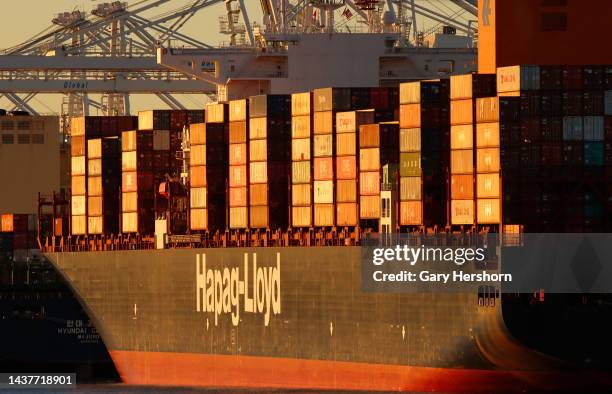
[(129, 161), (77, 126), (215, 113), (237, 132), (300, 126), (129, 181), (411, 213), (258, 194), (369, 159), (237, 176), (487, 185), (462, 187), (94, 149), (487, 160), (94, 167), (95, 225), (238, 196), (369, 136), (462, 212), (300, 103), (198, 197), (323, 215), (79, 204), (347, 190), (461, 112), (369, 207), (300, 149), (95, 206), (197, 176), (301, 216), (323, 122), (197, 134), (197, 156), (323, 192), (346, 144), (462, 161), (462, 136), (300, 172), (461, 86), (323, 169), (129, 222), (347, 214), (487, 109), (346, 166), (410, 140), (238, 217), (300, 194), (258, 128), (488, 211), (323, 145), (78, 185), (410, 116), (259, 217), (198, 219), (258, 172), (487, 135), (79, 225), (237, 110), (78, 165), (258, 150), (410, 188), (410, 92), (7, 223), (128, 141), (237, 154), (369, 183), (129, 202), (94, 186)]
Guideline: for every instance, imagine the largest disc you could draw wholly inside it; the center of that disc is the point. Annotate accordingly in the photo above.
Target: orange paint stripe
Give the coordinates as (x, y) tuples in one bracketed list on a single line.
[(189, 369)]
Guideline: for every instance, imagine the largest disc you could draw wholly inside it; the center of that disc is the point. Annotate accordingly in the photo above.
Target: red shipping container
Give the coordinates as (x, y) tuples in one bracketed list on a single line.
[(530, 130), (593, 103), (572, 103), (346, 167), (551, 77), (551, 129), (572, 78), (552, 155), (324, 168)]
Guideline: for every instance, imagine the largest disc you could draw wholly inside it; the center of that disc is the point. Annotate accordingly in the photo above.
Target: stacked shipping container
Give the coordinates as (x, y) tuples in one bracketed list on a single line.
[(270, 160), (208, 173), (377, 147), (424, 143), (103, 181), (301, 145), (238, 161), (138, 180), (464, 90)]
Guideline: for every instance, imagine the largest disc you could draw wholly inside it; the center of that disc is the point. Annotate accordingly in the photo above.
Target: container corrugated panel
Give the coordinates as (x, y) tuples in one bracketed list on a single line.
[(323, 145), (78, 146), (300, 103), (238, 176), (410, 93), (79, 225), (346, 144), (346, 167), (94, 148), (323, 168), (461, 112), (411, 213), (129, 222), (94, 167), (78, 165), (369, 183), (323, 122), (238, 217), (369, 159), (300, 194), (237, 132), (237, 154), (323, 215), (95, 206), (258, 128), (258, 172), (347, 190), (238, 197), (216, 113), (258, 150), (129, 161), (197, 134), (198, 219), (462, 161), (369, 207), (572, 128), (410, 116), (198, 197), (129, 202), (518, 78), (462, 136), (593, 127), (237, 110), (259, 216), (487, 160), (79, 205), (487, 110), (323, 192), (258, 194), (369, 136), (462, 187), (197, 155), (301, 216), (487, 135), (300, 126), (300, 172), (346, 214), (95, 225), (300, 149), (410, 164), (462, 212), (197, 176), (78, 185), (94, 186), (487, 185), (410, 140), (410, 188), (488, 211)]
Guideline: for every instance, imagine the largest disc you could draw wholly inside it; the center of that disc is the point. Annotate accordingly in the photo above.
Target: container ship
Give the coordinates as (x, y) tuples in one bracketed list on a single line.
[(221, 247)]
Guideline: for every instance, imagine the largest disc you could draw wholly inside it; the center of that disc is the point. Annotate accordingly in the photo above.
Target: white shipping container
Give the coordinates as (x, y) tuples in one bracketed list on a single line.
[(593, 128), (238, 217), (300, 172), (198, 219), (572, 128), (78, 165), (129, 161), (300, 126), (79, 205), (410, 140), (323, 192), (129, 222), (258, 172), (161, 140), (301, 216), (257, 128), (345, 121), (198, 197), (300, 194), (410, 188), (323, 145)]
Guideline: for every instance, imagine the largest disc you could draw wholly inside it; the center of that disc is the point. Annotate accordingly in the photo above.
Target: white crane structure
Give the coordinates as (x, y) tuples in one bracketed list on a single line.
[(115, 50)]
